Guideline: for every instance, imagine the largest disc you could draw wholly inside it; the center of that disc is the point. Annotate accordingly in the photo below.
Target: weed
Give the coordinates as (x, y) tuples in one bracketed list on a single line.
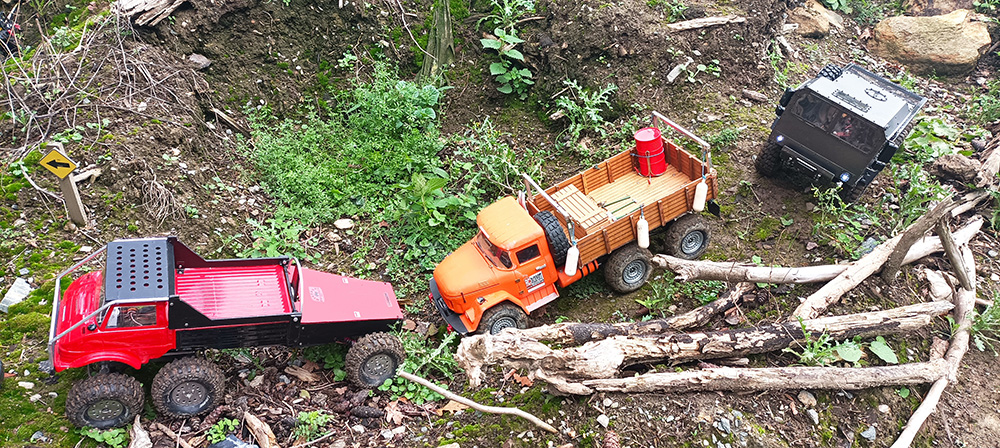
[(814, 351), (985, 107), (512, 79), (221, 429), (931, 138), (866, 12), (115, 438), (674, 9), (330, 356), (842, 225), (986, 327), (506, 13), (277, 238), (310, 425), (712, 67), (494, 159), (347, 61), (838, 5), (664, 292), (914, 190), (986, 6), (724, 138), (422, 359), (584, 109)]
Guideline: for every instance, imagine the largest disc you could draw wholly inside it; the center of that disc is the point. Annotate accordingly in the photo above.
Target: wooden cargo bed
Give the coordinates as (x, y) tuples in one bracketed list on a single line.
[(604, 201)]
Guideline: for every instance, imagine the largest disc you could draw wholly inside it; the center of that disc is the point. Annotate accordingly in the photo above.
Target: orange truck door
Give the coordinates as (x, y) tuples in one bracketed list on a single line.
[(536, 279)]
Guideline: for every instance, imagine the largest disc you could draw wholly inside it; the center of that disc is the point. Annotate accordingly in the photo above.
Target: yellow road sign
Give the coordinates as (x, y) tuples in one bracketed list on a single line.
[(58, 163)]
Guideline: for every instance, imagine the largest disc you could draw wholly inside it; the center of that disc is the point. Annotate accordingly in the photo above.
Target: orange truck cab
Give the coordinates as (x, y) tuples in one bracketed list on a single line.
[(528, 247), (504, 272)]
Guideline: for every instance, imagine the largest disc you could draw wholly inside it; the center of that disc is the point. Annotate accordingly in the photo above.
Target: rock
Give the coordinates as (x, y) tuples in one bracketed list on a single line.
[(26, 384), (807, 399), (814, 20), (948, 45), (811, 245), (813, 415), (35, 398), (284, 379), (935, 7), (39, 436), (344, 223), (955, 166), (17, 292), (992, 253), (386, 434), (409, 325), (360, 429), (883, 408), (603, 420), (869, 434), (754, 96), (995, 277), (200, 62), (607, 402), (23, 271)]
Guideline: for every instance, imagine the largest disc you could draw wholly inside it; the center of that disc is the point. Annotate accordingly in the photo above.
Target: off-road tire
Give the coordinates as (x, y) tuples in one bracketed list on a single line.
[(188, 386), (555, 235), (504, 315), (769, 160), (104, 401), (688, 237), (831, 72), (373, 359), (901, 137), (628, 268), (852, 194)]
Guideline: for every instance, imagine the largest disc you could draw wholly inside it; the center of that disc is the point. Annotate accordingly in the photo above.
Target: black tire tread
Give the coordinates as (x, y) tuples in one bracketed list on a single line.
[(769, 160), (364, 348), (555, 235), (620, 258), (85, 392), (680, 228), (501, 310), (188, 368), (852, 194), (831, 71)]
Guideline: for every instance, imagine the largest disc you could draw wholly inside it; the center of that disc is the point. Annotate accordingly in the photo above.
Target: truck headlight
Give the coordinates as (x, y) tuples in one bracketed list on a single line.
[(779, 138), (844, 177)]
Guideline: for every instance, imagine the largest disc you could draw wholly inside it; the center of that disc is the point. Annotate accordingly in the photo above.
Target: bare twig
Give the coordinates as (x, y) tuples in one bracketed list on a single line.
[(479, 407), (180, 441)]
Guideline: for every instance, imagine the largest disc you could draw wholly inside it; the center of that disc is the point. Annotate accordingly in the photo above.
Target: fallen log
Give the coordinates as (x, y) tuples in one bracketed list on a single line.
[(688, 270), (774, 378), (605, 358), (575, 333), (150, 12)]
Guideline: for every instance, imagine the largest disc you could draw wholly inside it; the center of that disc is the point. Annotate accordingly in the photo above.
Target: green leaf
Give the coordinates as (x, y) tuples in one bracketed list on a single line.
[(512, 39), (435, 183), (497, 68), (787, 221), (505, 89), (903, 392), (492, 44), (525, 73), (514, 54), (849, 351), (881, 349)]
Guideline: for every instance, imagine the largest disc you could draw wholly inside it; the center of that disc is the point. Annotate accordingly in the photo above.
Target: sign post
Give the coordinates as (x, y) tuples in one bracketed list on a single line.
[(62, 166)]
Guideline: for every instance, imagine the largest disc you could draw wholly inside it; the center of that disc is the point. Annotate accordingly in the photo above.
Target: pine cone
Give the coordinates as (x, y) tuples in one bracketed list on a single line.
[(611, 440)]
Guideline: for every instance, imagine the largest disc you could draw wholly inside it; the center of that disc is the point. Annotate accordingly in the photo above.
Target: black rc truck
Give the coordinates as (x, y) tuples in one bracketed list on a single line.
[(843, 127)]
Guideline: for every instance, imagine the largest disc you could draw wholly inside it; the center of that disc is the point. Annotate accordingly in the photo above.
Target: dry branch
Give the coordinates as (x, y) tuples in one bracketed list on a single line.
[(965, 301), (472, 404), (173, 435), (687, 270), (704, 22), (775, 378), (150, 12), (913, 233), (564, 368)]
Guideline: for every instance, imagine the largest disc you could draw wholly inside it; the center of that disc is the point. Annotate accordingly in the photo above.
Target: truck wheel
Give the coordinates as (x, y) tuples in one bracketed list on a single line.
[(688, 237), (187, 386), (769, 160), (104, 401), (852, 194), (373, 359), (628, 268), (831, 72), (554, 234), (504, 315)]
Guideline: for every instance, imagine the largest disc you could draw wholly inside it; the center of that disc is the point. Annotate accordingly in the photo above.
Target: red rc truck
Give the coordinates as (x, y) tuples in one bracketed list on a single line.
[(157, 299)]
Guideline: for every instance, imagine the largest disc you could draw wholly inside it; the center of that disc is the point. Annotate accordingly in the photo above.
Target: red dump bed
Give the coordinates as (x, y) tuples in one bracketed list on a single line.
[(235, 291), (334, 298)]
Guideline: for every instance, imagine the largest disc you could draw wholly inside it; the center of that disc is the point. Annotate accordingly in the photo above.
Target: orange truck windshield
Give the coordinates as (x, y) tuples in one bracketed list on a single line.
[(499, 257)]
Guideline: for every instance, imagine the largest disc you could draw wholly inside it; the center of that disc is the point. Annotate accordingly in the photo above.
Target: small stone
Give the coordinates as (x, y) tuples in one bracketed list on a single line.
[(200, 62), (387, 434), (399, 430), (35, 398), (39, 436), (813, 415), (360, 429), (607, 402), (995, 277), (284, 379), (344, 223), (883, 408), (754, 96), (603, 420), (257, 381), (23, 271), (811, 245), (725, 425), (26, 384), (993, 253), (869, 434), (807, 399), (86, 249)]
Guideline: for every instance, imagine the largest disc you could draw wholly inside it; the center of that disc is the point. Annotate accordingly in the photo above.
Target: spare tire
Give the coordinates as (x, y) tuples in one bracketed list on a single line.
[(555, 235), (831, 72)]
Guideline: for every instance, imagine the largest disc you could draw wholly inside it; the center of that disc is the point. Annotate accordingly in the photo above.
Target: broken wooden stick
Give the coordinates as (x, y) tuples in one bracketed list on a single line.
[(688, 270), (164, 429), (704, 22), (964, 308), (472, 404), (564, 368), (261, 431), (774, 378)]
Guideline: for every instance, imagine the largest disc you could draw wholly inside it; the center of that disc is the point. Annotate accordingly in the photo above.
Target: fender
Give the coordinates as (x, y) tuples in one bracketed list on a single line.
[(474, 314), (125, 358)]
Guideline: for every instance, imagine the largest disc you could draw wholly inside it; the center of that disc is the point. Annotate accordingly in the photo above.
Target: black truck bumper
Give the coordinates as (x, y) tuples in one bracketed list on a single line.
[(453, 319)]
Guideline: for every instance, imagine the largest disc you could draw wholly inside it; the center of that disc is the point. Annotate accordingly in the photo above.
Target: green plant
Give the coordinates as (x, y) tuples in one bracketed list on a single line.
[(712, 67), (309, 425), (882, 349), (512, 79), (986, 327), (276, 238), (674, 9), (867, 12), (844, 226), (221, 429), (664, 292), (191, 211), (838, 5), (995, 216), (330, 356), (914, 190), (494, 160), (726, 137), (903, 392), (423, 358), (506, 13), (64, 38), (347, 61), (985, 107), (114, 438), (931, 138), (986, 6), (584, 108)]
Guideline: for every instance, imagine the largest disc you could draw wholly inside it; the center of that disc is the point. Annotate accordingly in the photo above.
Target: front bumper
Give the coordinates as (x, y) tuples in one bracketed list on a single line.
[(453, 319)]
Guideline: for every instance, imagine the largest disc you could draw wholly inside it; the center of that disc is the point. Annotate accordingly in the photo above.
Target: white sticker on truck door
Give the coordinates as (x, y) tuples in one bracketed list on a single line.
[(535, 281)]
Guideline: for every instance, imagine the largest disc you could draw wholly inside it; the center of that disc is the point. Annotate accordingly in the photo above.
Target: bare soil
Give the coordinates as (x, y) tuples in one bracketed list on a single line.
[(176, 169)]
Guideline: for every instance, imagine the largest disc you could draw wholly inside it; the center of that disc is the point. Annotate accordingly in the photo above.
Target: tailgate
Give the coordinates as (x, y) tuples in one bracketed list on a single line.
[(334, 298)]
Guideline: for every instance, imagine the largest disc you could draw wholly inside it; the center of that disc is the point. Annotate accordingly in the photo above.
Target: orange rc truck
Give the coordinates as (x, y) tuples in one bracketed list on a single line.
[(526, 247)]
